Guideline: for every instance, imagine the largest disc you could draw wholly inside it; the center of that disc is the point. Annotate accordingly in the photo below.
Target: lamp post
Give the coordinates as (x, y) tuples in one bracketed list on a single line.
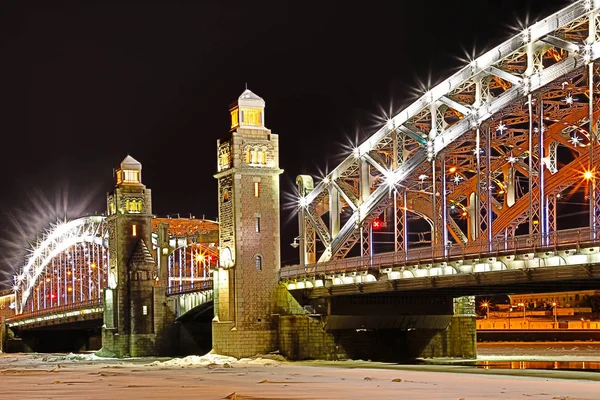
[(486, 306), (554, 312)]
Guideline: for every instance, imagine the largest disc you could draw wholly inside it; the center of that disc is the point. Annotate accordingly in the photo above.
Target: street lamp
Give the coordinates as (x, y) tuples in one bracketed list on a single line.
[(554, 311), (486, 306)]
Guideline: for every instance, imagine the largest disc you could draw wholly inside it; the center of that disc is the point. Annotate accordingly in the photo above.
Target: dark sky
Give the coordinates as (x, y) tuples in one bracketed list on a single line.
[(84, 83)]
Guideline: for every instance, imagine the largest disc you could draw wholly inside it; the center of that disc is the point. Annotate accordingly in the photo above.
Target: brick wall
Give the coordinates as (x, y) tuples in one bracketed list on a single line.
[(242, 343), (459, 340)]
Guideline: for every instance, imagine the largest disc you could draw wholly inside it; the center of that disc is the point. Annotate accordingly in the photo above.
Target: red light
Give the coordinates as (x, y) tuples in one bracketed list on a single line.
[(377, 224)]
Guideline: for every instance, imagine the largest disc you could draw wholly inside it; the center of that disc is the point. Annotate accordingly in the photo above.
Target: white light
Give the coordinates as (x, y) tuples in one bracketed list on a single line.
[(389, 178), (326, 180), (587, 4), (575, 140), (302, 202), (569, 100), (501, 128), (390, 123), (525, 35), (457, 178), (422, 177), (356, 152), (511, 159)]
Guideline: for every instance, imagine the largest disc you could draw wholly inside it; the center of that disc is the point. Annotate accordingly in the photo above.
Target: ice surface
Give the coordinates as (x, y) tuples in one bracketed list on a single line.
[(213, 376)]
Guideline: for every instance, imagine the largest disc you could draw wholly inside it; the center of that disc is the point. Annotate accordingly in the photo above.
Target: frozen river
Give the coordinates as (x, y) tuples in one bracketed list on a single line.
[(60, 376)]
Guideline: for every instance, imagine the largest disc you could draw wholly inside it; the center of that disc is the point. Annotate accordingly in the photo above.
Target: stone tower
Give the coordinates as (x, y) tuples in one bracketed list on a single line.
[(247, 277), (133, 303)]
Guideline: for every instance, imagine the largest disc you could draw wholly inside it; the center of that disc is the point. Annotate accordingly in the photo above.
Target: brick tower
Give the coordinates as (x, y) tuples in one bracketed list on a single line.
[(133, 303), (245, 282)]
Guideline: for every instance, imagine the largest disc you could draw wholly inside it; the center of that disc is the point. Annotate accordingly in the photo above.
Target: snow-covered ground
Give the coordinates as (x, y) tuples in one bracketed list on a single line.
[(212, 376)]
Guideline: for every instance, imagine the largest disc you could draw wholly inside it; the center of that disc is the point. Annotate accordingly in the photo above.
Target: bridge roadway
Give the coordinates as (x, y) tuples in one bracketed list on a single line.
[(571, 258), (83, 313)]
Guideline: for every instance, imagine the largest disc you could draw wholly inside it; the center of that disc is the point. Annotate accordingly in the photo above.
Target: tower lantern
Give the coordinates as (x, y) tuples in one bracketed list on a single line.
[(130, 172), (248, 112)]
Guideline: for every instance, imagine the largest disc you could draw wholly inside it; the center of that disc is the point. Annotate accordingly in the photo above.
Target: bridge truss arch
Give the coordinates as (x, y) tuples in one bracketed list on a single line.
[(68, 266), (487, 154)]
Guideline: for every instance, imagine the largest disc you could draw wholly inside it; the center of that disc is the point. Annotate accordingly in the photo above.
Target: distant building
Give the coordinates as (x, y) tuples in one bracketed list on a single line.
[(575, 299), (7, 302)]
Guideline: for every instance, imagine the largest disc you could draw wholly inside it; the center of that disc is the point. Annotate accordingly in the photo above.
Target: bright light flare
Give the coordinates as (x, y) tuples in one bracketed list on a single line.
[(302, 202), (389, 179), (588, 175)]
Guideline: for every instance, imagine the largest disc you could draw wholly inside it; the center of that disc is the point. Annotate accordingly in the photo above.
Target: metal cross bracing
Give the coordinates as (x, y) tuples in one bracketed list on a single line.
[(494, 151), (68, 267)]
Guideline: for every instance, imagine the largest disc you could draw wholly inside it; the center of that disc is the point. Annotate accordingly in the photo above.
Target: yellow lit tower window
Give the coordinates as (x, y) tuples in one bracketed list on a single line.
[(251, 117), (235, 121)]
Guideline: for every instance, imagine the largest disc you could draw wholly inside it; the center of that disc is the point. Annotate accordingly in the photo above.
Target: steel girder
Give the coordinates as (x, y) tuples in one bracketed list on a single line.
[(519, 93)]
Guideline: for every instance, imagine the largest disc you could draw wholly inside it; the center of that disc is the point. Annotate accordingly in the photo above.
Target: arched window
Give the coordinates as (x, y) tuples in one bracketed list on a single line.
[(262, 156), (258, 262)]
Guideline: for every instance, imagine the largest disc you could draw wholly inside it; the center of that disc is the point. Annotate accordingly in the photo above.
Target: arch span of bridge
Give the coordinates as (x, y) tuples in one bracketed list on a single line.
[(67, 271)]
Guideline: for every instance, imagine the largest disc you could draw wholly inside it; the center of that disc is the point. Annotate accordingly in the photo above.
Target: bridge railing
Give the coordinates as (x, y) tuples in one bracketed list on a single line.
[(57, 310), (190, 287), (582, 237)]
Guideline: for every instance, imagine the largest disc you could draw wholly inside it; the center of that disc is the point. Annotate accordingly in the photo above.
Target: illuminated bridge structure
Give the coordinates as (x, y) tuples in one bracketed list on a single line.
[(493, 174), (65, 275), (477, 184)]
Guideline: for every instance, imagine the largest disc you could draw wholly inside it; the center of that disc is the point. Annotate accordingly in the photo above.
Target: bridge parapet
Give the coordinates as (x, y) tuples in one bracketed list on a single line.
[(92, 309), (570, 248)]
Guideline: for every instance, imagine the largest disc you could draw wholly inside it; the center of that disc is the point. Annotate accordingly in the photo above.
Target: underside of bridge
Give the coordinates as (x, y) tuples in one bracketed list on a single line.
[(68, 337), (379, 326)]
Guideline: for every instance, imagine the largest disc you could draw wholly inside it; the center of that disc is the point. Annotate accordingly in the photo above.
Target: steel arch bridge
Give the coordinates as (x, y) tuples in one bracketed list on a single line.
[(488, 155), (68, 268)]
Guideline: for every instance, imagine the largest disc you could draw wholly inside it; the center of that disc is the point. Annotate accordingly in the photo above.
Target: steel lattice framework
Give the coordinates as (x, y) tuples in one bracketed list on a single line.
[(68, 266), (484, 155)]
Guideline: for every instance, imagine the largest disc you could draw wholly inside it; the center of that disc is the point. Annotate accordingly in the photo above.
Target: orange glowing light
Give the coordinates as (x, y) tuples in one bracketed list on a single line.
[(588, 175), (452, 170), (69, 289)]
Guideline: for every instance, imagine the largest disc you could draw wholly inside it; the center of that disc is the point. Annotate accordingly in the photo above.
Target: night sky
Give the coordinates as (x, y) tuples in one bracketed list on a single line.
[(84, 83)]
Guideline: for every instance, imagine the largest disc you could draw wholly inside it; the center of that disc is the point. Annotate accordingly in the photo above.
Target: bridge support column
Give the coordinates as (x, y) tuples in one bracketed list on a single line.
[(245, 283), (135, 310)]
